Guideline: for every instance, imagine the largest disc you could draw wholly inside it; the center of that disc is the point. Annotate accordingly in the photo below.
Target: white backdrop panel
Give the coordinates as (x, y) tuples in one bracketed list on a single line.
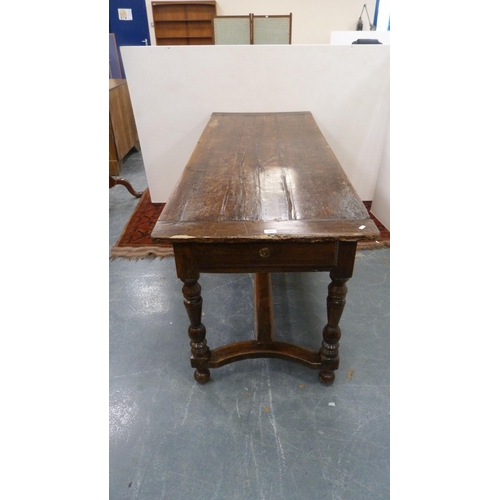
[(174, 90)]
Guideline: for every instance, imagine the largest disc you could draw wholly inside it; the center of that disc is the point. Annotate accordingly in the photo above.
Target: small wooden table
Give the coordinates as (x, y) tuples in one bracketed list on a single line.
[(263, 193)]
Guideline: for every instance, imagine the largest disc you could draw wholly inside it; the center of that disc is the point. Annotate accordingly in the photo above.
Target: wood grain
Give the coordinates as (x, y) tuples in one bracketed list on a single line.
[(264, 176)]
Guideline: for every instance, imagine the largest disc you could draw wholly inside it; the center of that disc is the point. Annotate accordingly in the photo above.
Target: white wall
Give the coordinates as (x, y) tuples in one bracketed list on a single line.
[(312, 20), (174, 90)]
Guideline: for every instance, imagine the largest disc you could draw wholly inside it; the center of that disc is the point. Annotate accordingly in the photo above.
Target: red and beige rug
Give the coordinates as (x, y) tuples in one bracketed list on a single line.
[(135, 241)]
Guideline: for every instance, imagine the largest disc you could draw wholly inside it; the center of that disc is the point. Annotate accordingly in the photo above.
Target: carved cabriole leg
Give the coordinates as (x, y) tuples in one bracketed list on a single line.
[(200, 353), (113, 181), (329, 352)]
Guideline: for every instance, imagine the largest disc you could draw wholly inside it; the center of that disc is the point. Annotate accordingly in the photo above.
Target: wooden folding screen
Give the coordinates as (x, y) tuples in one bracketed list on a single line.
[(232, 30), (272, 29), (251, 29)]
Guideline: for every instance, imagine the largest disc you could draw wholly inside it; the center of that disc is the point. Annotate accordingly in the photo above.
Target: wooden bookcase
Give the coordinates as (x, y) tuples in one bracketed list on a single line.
[(122, 129), (183, 23)]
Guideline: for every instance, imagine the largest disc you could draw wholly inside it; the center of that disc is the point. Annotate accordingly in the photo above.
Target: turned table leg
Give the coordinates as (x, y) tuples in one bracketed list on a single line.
[(329, 352), (200, 352)]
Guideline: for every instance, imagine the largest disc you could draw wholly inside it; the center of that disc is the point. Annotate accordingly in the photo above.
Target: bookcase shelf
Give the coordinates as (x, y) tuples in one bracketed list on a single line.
[(184, 23)]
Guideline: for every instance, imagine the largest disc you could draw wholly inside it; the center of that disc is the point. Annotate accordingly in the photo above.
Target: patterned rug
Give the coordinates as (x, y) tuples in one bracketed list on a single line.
[(135, 241)]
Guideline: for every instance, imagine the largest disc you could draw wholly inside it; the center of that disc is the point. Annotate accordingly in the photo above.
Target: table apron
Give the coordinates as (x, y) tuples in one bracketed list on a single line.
[(265, 256)]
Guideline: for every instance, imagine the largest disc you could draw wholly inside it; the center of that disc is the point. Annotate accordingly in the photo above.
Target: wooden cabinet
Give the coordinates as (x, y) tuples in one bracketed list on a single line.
[(122, 129), (183, 23)]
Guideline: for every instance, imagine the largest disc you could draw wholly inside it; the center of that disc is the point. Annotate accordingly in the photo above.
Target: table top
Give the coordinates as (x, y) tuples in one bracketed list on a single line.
[(263, 176)]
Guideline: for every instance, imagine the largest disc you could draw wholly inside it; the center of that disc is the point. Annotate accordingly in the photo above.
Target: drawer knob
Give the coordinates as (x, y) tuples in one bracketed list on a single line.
[(264, 252)]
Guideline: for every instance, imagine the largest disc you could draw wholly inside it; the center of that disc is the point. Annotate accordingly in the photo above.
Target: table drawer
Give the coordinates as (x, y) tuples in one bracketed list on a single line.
[(265, 256)]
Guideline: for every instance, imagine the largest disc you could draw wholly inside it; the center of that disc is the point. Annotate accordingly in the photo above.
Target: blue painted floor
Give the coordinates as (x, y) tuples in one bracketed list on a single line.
[(260, 429)]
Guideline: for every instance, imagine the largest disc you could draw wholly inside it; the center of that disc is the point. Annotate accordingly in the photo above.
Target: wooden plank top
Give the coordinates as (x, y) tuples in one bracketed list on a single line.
[(262, 176)]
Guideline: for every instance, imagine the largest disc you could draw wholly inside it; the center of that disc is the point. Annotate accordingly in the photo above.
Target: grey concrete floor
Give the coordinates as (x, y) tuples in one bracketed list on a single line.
[(260, 429)]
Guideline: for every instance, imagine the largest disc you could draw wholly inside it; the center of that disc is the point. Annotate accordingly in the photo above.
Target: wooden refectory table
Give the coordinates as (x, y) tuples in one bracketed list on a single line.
[(263, 193)]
